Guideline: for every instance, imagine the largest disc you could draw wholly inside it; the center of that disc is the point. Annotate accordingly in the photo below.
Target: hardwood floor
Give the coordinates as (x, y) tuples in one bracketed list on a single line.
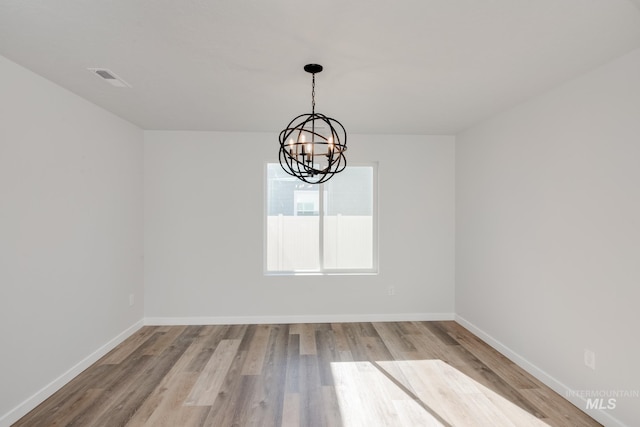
[(340, 374)]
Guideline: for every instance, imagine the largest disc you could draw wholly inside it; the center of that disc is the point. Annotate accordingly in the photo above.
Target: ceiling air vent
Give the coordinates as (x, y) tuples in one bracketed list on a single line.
[(109, 77)]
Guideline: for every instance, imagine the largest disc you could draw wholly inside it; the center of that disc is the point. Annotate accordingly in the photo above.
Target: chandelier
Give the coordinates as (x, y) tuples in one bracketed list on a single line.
[(312, 146)]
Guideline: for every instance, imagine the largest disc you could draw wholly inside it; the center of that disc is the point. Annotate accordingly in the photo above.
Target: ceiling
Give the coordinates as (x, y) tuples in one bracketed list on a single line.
[(391, 67)]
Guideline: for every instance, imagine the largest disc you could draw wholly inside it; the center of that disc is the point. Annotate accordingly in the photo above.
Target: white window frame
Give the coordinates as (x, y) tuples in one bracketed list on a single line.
[(325, 271)]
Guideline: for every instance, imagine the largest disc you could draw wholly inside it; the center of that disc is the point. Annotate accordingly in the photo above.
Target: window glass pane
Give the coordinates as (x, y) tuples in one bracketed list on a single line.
[(348, 219), (350, 192), (292, 223)]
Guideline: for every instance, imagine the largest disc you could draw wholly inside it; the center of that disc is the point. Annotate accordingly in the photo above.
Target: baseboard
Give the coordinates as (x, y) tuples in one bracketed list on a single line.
[(324, 318), (21, 410), (599, 415)]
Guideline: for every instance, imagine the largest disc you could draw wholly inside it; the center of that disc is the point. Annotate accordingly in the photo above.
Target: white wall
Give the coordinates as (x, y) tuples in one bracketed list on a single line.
[(70, 233), (204, 217), (548, 231)]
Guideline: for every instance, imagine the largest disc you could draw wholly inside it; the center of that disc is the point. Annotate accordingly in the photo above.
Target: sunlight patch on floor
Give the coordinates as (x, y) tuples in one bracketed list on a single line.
[(420, 392)]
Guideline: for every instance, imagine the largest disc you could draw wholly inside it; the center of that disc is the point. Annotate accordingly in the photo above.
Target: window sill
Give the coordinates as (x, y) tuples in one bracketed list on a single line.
[(321, 273)]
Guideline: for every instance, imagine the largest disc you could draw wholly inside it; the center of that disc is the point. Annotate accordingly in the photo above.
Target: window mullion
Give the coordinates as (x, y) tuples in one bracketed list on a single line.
[(321, 226)]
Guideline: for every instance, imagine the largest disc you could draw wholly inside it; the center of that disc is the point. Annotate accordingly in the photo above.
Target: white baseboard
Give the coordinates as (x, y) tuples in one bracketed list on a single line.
[(599, 415), (323, 318), (22, 409)]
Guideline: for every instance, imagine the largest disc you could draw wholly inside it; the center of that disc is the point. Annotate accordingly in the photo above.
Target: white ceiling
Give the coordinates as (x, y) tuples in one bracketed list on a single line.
[(403, 66)]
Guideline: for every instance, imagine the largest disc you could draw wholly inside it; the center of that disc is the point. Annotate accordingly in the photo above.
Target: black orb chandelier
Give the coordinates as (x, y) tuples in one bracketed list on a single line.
[(312, 146)]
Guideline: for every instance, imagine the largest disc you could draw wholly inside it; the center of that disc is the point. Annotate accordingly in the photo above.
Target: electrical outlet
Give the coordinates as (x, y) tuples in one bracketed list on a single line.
[(590, 359), (391, 291), (132, 300)]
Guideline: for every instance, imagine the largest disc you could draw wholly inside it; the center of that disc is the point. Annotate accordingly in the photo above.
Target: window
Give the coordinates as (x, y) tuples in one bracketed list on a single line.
[(321, 228)]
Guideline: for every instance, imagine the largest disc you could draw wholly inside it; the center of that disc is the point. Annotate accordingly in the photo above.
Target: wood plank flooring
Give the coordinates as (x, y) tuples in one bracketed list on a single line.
[(340, 374)]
